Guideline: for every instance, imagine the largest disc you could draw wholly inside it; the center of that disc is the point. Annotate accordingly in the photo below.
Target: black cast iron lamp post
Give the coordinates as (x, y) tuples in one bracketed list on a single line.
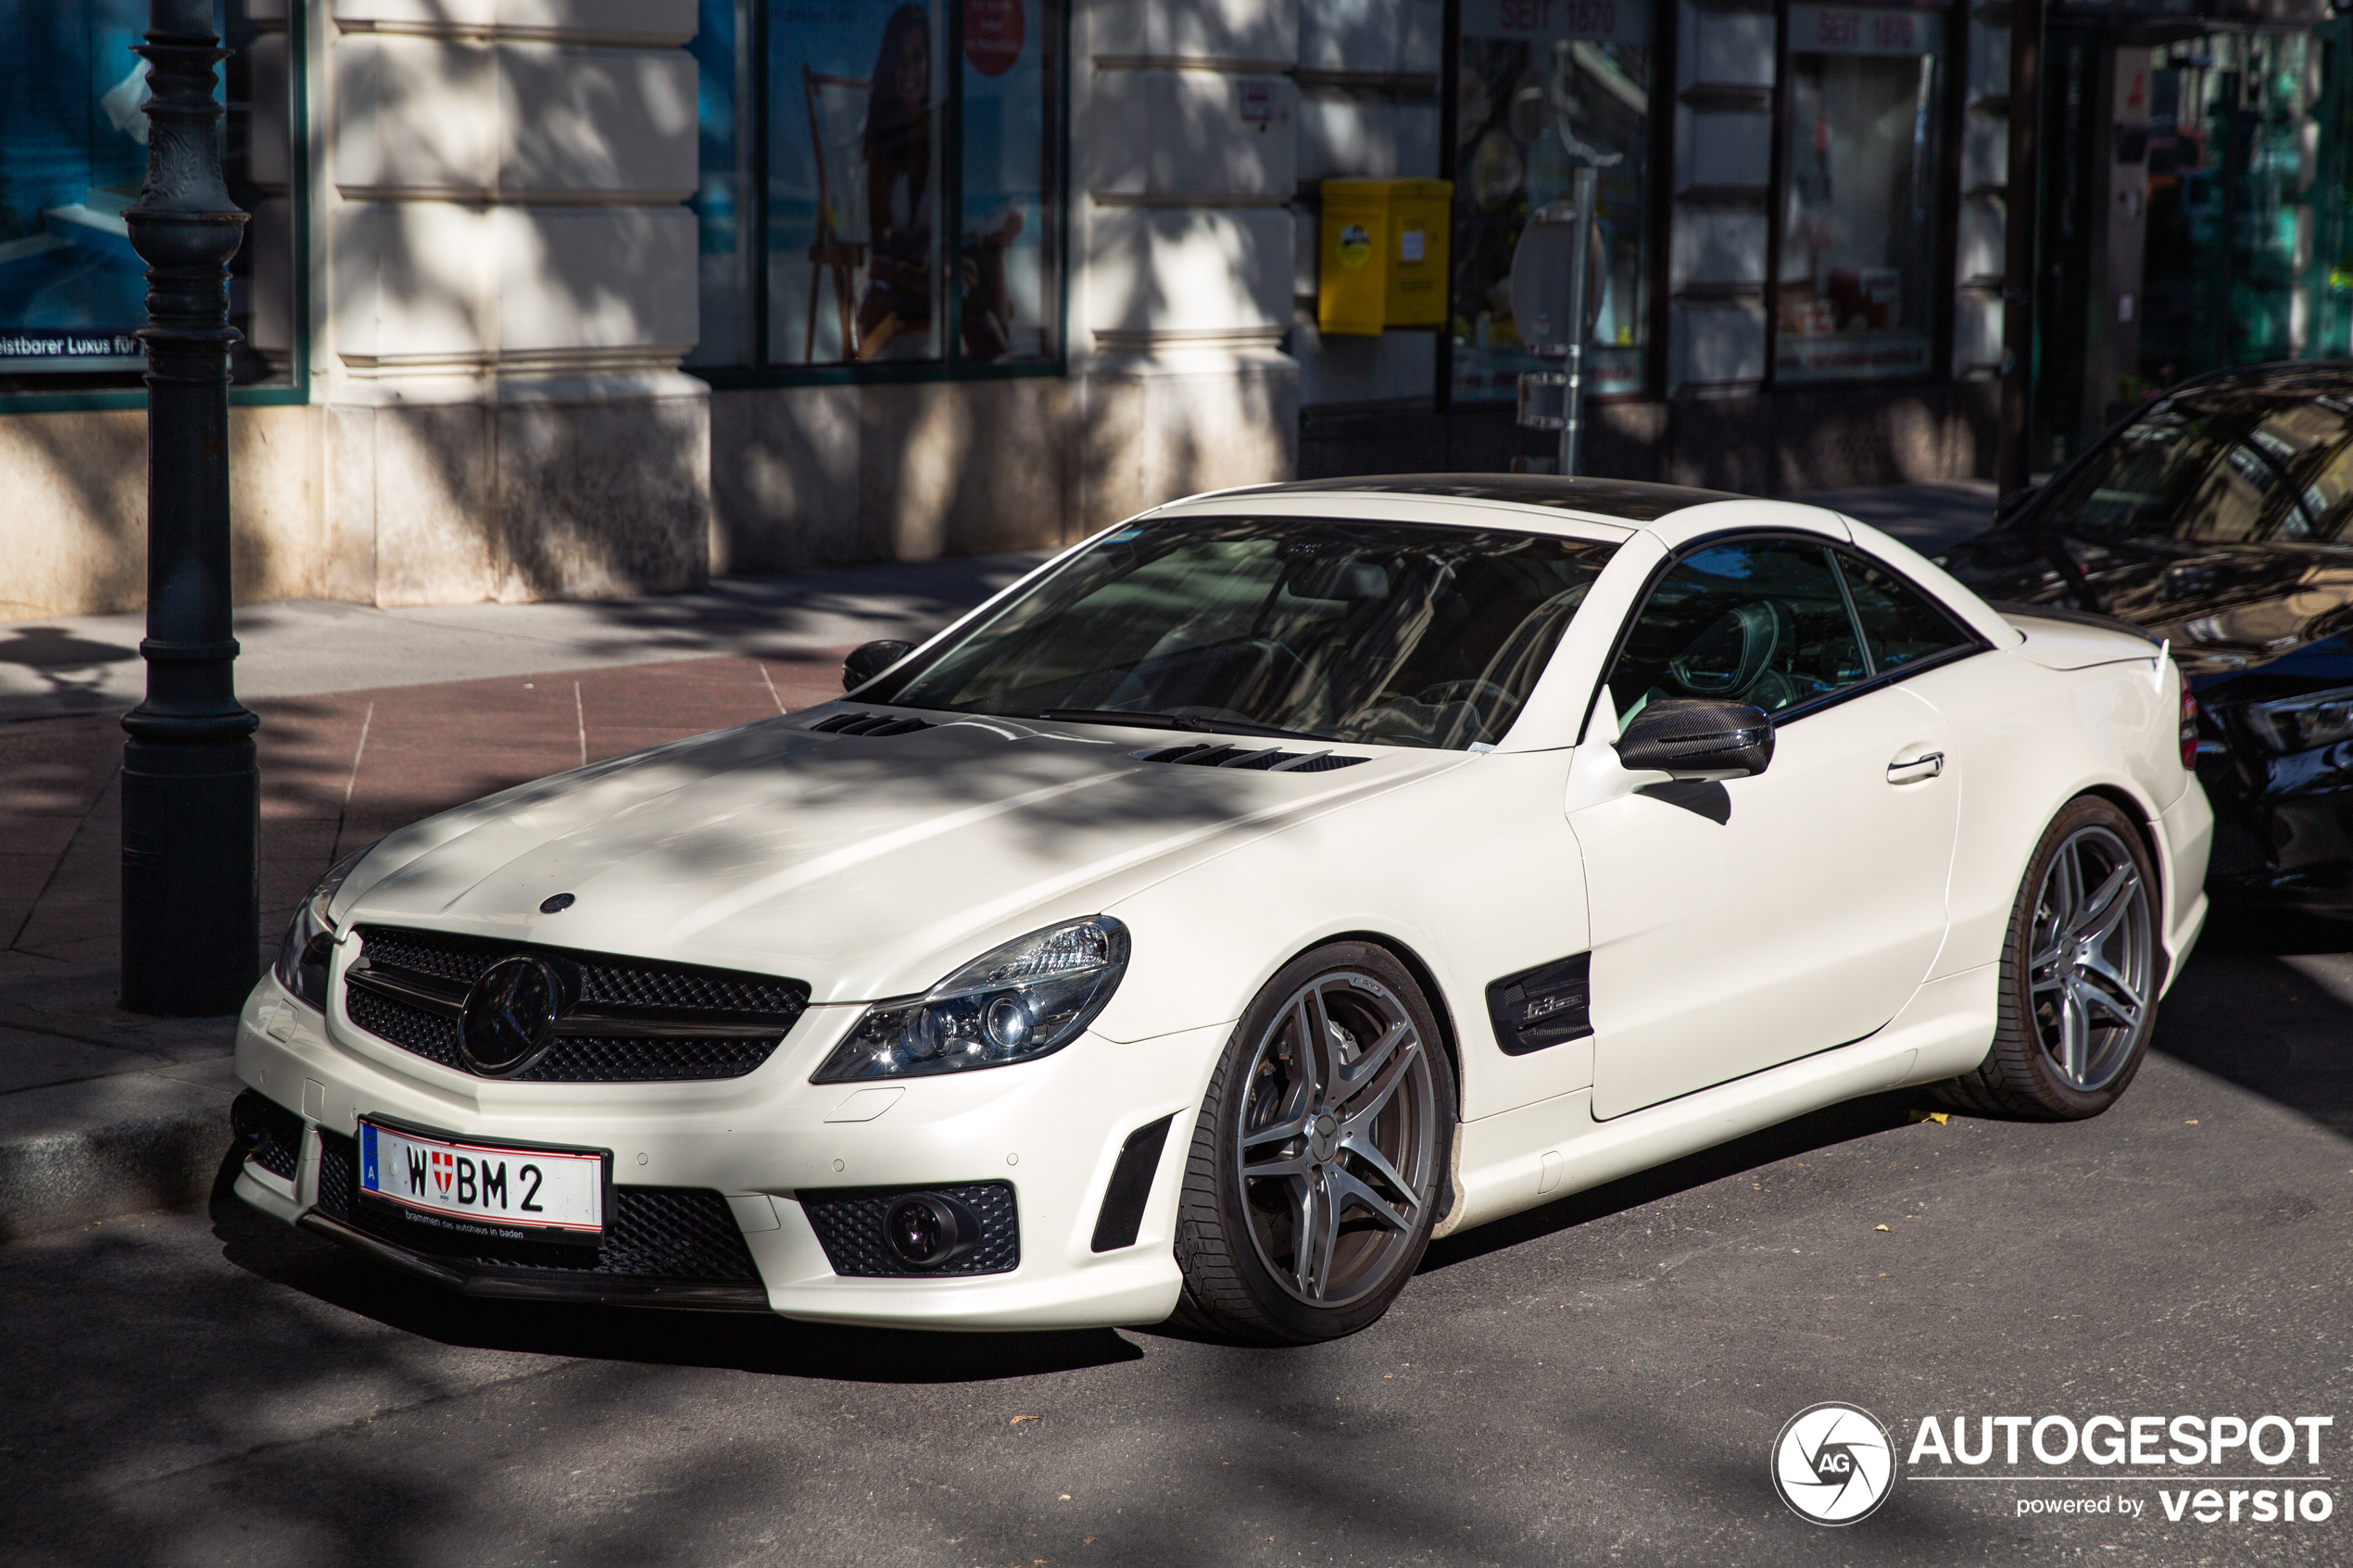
[(191, 787)]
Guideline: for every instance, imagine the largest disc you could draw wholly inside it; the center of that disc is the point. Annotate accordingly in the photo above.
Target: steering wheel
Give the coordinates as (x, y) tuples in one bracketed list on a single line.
[(1750, 638)]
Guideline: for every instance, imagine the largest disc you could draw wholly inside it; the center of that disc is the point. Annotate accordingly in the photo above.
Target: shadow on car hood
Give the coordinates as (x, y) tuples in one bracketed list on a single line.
[(860, 864)]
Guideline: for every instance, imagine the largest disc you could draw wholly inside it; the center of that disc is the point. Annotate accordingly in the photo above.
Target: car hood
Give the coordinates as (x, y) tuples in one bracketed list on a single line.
[(867, 866)]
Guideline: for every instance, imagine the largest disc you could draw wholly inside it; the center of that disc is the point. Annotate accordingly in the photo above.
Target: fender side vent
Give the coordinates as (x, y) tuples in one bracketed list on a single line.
[(1543, 1006), (870, 724), (1265, 760)]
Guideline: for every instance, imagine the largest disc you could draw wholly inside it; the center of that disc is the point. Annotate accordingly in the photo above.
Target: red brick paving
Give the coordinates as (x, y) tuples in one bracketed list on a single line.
[(340, 770)]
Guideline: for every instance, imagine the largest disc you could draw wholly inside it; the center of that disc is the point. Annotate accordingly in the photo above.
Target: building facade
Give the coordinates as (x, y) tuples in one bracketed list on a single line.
[(577, 297)]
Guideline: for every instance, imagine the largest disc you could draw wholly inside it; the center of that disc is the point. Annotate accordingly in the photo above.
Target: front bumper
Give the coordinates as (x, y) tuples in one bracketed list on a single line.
[(1051, 1129)]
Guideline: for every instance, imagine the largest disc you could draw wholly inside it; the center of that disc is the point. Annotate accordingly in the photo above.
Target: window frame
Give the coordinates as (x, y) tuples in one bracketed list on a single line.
[(1972, 643), (755, 115), (295, 391)]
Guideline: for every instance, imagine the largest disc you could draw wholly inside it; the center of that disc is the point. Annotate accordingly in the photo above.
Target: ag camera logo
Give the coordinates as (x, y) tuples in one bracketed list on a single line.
[(1834, 1463)]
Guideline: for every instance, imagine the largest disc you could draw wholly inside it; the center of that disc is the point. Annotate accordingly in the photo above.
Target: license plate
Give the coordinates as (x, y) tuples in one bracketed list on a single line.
[(485, 1189)]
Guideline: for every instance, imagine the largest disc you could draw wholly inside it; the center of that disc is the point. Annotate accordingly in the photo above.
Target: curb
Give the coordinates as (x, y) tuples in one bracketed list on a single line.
[(71, 1153)]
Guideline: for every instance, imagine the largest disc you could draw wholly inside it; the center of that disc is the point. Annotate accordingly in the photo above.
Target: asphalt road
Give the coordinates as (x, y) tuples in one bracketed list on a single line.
[(1598, 1382)]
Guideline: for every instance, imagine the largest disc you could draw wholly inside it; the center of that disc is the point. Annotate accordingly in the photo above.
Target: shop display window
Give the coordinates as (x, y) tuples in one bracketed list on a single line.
[(1860, 235), (906, 206), (1540, 83), (73, 155), (2250, 201)]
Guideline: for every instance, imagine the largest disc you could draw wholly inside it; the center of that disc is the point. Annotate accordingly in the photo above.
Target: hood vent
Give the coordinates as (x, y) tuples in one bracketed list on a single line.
[(870, 724), (1267, 760)]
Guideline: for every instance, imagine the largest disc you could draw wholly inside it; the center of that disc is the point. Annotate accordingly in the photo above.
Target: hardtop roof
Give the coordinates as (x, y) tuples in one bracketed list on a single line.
[(1625, 500)]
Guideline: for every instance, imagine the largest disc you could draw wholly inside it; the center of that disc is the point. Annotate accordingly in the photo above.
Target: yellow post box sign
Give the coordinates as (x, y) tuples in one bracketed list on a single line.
[(1383, 257)]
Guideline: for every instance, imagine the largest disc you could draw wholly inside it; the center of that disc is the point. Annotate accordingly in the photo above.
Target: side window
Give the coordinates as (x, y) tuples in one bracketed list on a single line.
[(1760, 622), (1900, 625)]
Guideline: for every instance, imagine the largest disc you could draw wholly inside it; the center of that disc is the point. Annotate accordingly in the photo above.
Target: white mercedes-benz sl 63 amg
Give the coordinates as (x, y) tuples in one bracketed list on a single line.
[(1257, 890)]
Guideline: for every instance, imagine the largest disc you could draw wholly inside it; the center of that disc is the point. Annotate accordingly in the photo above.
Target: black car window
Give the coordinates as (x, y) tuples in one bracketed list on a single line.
[(2135, 486), (1901, 625), (2216, 467), (1756, 620), (2235, 500), (2269, 486), (2328, 498)]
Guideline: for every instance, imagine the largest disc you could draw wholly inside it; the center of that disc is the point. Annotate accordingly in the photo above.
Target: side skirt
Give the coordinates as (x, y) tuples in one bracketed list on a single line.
[(1520, 1159)]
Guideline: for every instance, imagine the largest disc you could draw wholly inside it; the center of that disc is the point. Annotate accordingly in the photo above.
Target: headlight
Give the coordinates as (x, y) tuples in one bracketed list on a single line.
[(1020, 1002), (2302, 722), (308, 945)]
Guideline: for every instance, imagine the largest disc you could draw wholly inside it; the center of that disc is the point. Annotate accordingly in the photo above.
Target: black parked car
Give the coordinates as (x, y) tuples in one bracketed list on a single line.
[(2220, 517)]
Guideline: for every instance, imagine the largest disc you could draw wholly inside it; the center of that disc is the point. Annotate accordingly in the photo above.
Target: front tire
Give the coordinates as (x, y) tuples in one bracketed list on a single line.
[(2079, 971), (1320, 1158)]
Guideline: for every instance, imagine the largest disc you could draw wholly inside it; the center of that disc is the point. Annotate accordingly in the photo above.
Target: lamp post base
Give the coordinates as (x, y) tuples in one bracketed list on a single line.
[(190, 814)]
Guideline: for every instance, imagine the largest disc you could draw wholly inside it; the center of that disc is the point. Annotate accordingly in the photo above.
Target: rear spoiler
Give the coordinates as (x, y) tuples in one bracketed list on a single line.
[(2010, 609)]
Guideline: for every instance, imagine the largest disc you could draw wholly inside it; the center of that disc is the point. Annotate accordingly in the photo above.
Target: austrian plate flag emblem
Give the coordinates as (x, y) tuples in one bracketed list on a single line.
[(445, 1167)]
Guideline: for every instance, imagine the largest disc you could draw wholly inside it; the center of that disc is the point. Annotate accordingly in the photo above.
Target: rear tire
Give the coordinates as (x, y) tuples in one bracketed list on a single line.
[(2081, 967), (1320, 1159)]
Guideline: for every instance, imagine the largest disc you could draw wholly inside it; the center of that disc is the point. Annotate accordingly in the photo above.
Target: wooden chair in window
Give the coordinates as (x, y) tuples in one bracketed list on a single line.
[(837, 122)]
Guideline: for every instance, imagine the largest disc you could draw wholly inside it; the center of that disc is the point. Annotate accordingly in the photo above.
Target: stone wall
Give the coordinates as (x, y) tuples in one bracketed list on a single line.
[(508, 285), (73, 532)]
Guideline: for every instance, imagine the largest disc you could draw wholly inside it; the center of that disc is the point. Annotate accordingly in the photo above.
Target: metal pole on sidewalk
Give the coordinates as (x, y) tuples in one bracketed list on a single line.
[(191, 788), (2021, 205), (1586, 191)]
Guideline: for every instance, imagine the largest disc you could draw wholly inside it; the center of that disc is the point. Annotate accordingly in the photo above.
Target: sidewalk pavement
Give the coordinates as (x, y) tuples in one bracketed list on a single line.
[(371, 720), (363, 730)]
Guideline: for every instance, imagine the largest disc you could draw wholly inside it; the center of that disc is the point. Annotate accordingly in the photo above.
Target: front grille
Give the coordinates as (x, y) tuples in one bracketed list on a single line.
[(429, 1034), (687, 1235), (279, 1151), (641, 1061), (849, 1223), (1262, 758), (459, 959), (628, 1021)]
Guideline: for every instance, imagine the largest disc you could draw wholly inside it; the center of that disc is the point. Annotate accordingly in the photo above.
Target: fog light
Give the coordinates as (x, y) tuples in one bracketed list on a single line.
[(247, 1118), (927, 1231)]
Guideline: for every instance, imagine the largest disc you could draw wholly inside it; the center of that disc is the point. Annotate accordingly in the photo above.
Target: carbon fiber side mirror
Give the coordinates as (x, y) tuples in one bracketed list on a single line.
[(1694, 738)]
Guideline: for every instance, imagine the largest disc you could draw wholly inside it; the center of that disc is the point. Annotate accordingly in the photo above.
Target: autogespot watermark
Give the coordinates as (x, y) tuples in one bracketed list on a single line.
[(1835, 1465)]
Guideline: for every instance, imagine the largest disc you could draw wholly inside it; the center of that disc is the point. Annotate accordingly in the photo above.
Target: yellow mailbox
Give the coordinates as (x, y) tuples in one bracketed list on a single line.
[(1383, 256)]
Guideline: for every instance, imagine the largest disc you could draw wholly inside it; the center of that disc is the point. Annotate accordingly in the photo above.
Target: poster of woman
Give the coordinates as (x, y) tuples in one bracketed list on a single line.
[(860, 265)]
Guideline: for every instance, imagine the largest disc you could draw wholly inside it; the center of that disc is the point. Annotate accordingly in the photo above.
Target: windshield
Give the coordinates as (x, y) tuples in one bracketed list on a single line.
[(2214, 471), (1388, 634)]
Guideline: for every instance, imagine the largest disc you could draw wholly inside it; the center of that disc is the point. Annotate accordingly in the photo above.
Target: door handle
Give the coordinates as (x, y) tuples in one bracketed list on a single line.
[(1913, 770)]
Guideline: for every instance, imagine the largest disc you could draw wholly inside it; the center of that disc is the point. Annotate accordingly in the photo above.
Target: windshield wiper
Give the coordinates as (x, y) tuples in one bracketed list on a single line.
[(1111, 716), (1184, 721)]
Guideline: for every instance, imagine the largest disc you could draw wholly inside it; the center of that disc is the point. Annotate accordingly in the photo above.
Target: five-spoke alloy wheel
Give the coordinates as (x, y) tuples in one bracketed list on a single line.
[(2088, 963), (1319, 1162), (2079, 972)]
